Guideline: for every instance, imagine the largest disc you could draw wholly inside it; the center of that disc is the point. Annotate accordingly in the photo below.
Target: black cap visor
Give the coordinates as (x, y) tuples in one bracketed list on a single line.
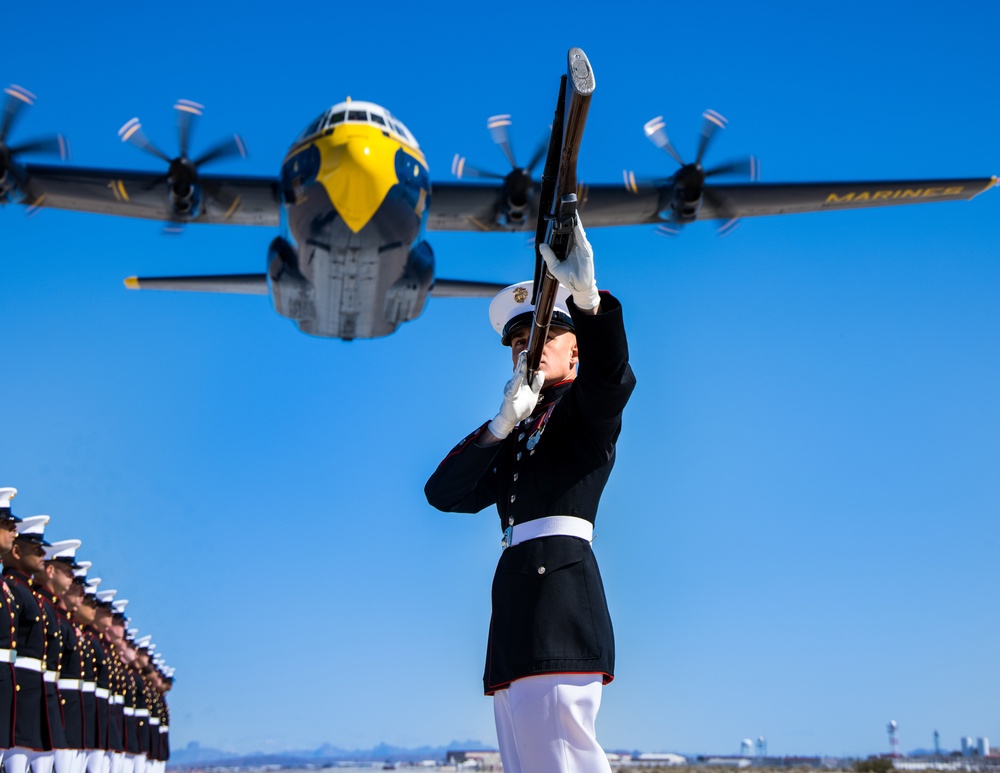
[(558, 320)]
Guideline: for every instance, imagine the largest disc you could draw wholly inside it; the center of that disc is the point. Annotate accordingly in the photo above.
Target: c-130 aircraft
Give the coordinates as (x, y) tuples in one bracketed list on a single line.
[(356, 191)]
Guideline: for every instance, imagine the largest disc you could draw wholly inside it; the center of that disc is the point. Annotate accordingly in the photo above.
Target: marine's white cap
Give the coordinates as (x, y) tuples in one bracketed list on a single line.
[(64, 550), (170, 672), (131, 632), (6, 494), (512, 308), (33, 529), (84, 567), (106, 596), (150, 647), (91, 587), (142, 641), (118, 606)]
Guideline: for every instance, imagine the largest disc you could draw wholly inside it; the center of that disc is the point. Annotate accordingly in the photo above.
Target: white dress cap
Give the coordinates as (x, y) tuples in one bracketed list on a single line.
[(91, 587), (119, 606), (515, 300), (150, 647), (106, 596), (64, 550), (84, 568), (131, 632), (33, 528), (7, 494), (142, 641)]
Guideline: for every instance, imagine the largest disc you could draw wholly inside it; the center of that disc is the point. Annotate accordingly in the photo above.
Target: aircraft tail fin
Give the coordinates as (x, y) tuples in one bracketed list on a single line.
[(459, 288), (243, 284)]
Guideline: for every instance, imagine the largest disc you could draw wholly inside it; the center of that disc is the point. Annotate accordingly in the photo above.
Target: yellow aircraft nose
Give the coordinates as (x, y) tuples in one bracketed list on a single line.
[(357, 171)]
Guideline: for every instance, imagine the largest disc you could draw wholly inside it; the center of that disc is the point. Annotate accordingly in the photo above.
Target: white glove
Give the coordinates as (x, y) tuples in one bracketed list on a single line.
[(519, 399), (576, 273)]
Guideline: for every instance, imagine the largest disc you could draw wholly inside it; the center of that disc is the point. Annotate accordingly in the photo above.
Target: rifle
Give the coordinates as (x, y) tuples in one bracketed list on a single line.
[(557, 199)]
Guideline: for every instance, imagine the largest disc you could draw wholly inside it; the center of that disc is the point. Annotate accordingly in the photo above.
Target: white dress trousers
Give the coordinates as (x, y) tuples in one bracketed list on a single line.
[(545, 724)]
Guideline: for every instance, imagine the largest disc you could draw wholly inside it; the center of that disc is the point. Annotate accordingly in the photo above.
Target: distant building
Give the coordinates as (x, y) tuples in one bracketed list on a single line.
[(662, 758), (983, 747), (968, 749), (728, 762), (475, 760)]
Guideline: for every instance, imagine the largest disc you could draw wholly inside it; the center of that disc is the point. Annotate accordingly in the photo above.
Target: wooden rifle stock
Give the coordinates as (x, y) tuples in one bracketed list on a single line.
[(557, 199)]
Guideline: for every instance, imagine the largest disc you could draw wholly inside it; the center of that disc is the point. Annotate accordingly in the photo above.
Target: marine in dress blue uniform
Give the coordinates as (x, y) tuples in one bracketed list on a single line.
[(8, 624), (543, 461), (62, 661), (110, 685), (32, 732), (98, 671)]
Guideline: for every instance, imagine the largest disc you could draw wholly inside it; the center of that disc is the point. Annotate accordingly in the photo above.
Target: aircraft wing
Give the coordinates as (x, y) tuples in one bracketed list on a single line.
[(468, 207), (474, 207), (233, 200), (754, 199)]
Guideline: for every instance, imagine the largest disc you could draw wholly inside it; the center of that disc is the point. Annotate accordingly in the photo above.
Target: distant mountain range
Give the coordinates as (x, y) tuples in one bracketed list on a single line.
[(194, 755)]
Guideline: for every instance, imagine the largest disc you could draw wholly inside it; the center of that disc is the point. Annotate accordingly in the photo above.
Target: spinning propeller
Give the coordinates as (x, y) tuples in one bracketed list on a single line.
[(182, 172), (688, 183), (518, 183), (11, 175)]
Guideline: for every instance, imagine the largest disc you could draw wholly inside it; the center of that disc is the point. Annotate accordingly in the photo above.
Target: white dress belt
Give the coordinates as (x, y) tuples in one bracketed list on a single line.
[(164, 728), (8, 656), (119, 699), (154, 720), (129, 711), (88, 686), (51, 676), (31, 664), (142, 712), (550, 526), (102, 692), (69, 684)]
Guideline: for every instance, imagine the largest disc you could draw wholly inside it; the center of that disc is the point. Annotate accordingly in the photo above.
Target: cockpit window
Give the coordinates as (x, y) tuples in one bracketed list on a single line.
[(357, 115), (336, 118), (313, 127), (377, 119)]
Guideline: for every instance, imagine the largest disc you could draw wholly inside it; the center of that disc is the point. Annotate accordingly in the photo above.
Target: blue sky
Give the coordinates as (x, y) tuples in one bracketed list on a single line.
[(800, 537)]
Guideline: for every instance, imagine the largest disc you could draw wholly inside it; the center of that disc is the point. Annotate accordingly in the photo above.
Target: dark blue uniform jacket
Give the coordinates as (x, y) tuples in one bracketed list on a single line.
[(549, 609)]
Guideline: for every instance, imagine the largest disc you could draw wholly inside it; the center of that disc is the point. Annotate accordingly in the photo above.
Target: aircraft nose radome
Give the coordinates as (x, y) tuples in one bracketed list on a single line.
[(358, 174)]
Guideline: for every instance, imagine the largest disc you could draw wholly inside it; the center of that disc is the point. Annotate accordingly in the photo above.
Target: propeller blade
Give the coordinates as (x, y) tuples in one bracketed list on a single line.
[(498, 124), (669, 230), (729, 226), (634, 183), (713, 122), (173, 228), (234, 146), (132, 132), (630, 183), (17, 98), (186, 111), (539, 154), (732, 221), (54, 145), (655, 130), (744, 166), (461, 169)]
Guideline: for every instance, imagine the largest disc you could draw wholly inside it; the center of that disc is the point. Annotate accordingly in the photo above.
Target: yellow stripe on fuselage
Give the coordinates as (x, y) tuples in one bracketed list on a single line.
[(358, 168)]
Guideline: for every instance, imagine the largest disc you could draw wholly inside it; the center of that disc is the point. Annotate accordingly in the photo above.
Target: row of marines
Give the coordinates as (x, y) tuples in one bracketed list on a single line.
[(79, 693)]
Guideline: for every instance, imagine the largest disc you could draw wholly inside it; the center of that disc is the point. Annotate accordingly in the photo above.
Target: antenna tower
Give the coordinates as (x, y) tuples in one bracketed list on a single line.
[(893, 739)]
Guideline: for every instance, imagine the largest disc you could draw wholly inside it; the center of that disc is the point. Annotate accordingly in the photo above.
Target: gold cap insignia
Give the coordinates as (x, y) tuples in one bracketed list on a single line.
[(520, 295)]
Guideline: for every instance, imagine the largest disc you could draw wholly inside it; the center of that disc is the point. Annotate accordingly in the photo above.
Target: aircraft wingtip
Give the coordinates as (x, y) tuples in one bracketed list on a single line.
[(132, 282)]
